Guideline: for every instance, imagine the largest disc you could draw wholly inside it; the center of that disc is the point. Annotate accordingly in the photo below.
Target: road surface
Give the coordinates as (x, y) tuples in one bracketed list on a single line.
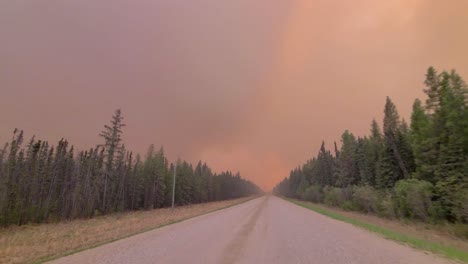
[(264, 230)]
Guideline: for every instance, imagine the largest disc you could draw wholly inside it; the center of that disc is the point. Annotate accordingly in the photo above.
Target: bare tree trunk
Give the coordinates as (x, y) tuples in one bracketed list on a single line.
[(400, 161), (104, 195), (49, 196)]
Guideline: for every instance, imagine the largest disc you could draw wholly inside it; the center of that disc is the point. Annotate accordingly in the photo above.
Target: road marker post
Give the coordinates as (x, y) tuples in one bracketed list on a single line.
[(173, 185)]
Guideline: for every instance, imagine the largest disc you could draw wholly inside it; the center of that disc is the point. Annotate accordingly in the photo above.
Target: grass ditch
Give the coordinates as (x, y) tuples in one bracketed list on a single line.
[(46, 242), (423, 244)]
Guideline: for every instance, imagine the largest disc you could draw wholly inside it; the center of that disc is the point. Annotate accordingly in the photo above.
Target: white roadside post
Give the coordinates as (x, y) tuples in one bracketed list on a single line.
[(173, 185)]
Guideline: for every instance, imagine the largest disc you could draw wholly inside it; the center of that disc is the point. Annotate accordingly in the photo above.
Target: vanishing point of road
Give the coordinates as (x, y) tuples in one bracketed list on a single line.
[(264, 230)]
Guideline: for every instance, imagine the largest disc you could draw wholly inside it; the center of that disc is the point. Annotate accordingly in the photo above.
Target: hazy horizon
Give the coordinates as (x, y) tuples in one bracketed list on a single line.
[(236, 84)]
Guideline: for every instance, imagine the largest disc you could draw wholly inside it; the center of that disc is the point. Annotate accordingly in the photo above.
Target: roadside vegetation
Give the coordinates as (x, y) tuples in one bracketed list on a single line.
[(38, 243), (44, 183), (416, 171)]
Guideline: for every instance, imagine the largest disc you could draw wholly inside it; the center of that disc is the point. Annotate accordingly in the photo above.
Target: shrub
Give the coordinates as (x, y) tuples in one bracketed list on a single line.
[(413, 198), (462, 207), (335, 196), (313, 193), (331, 195), (301, 189), (365, 198), (386, 205), (437, 212), (347, 193), (348, 206)]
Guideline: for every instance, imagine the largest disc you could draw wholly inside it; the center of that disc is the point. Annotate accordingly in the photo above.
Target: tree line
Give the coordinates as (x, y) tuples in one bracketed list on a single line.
[(40, 182), (417, 170)]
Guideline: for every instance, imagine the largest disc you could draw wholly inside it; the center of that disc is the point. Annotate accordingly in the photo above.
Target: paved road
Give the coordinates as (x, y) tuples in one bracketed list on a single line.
[(264, 230)]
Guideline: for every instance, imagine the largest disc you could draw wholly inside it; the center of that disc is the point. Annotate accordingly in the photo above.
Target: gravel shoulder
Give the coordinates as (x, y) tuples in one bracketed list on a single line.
[(435, 233)]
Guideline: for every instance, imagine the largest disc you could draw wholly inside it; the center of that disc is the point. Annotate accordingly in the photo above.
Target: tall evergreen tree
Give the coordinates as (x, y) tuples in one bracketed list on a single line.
[(451, 170), (323, 167), (41, 183), (393, 146), (112, 137), (423, 144), (433, 149), (346, 172)]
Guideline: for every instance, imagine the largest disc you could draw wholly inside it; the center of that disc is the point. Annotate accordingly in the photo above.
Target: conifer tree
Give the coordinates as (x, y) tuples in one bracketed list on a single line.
[(112, 137), (346, 171)]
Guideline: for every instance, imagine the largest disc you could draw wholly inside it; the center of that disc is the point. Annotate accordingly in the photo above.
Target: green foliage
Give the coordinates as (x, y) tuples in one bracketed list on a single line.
[(393, 166), (335, 196), (387, 171), (448, 112), (41, 183), (295, 179), (422, 143), (346, 170), (461, 210), (366, 199), (413, 198), (313, 193), (386, 207), (332, 196), (418, 171), (320, 170)]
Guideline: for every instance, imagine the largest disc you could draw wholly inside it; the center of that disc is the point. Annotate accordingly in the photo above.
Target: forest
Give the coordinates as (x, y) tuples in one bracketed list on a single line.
[(411, 171), (43, 183)]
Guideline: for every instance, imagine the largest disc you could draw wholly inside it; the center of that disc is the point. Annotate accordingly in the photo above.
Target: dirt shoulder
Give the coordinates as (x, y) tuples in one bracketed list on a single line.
[(436, 233), (36, 243)]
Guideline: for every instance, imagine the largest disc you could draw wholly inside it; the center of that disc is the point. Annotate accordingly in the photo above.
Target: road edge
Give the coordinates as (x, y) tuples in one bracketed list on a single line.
[(451, 253), (78, 250)]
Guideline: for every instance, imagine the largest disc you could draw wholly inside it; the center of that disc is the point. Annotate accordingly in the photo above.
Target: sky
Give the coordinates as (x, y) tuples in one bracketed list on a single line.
[(249, 86)]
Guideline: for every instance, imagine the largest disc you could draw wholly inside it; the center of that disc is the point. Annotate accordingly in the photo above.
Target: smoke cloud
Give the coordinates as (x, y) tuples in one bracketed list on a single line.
[(253, 86)]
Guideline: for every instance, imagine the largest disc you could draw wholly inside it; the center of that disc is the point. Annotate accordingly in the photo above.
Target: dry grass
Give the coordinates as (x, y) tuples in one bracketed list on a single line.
[(35, 243)]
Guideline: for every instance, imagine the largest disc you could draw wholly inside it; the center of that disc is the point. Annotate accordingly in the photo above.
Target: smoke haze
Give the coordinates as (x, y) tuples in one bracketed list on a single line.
[(253, 86)]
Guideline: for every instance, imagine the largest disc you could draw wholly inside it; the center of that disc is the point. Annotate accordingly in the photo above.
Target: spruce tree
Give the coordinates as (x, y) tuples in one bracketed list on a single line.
[(451, 170), (346, 172), (112, 143), (393, 144)]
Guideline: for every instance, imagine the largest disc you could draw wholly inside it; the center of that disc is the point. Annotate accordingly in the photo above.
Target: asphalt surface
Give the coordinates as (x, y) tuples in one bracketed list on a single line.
[(263, 230)]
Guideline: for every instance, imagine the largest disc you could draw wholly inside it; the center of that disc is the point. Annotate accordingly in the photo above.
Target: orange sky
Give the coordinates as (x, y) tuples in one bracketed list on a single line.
[(253, 86)]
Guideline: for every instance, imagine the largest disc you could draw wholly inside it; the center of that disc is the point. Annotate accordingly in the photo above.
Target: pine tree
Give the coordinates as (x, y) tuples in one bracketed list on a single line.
[(184, 183), (346, 172), (9, 175), (404, 145), (373, 149), (432, 91), (198, 183), (449, 125), (393, 146), (423, 143), (297, 176), (39, 182), (433, 149), (323, 168), (112, 136), (365, 161)]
